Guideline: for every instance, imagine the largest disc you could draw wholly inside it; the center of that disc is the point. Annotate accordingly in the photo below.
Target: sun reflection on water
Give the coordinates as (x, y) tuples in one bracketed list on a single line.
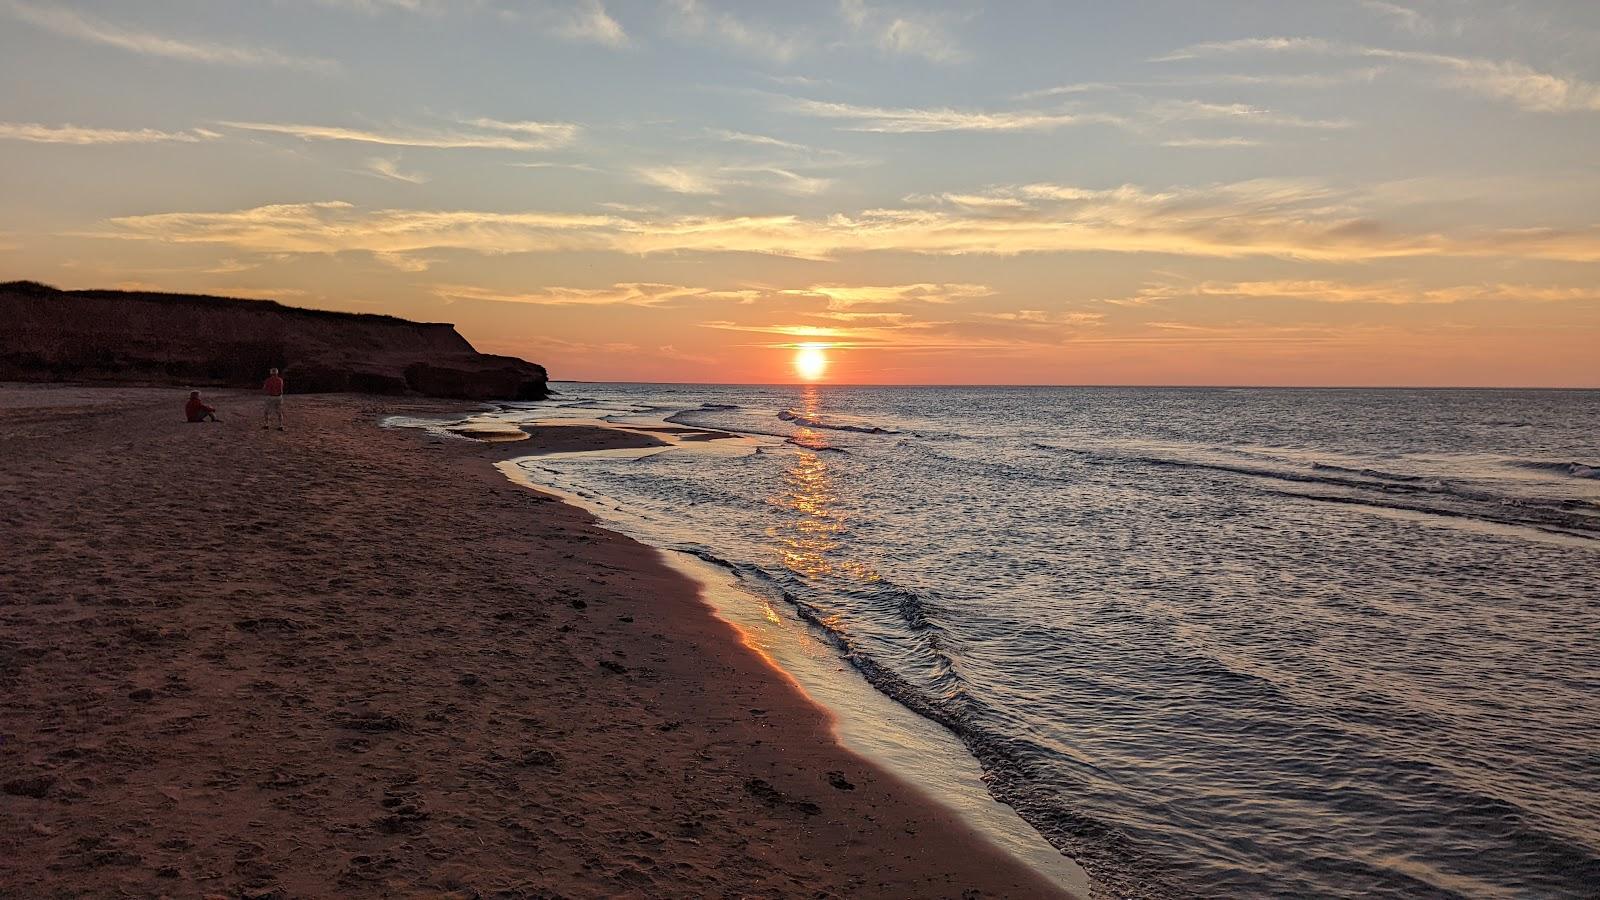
[(811, 542)]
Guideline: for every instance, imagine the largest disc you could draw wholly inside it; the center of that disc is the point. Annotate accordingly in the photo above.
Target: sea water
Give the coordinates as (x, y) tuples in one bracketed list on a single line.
[(1215, 642)]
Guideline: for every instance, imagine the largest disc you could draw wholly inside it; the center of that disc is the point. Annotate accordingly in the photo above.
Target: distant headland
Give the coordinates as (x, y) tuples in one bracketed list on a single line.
[(140, 337)]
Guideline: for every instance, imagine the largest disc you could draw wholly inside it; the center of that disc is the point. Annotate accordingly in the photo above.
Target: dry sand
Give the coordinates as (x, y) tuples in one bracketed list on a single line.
[(352, 661)]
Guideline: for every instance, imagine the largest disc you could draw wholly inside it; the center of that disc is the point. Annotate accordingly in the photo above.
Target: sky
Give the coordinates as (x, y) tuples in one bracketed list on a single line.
[(1238, 192)]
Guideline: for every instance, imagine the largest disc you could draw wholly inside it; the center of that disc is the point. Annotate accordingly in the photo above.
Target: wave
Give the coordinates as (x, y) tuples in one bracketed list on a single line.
[(1007, 760), (1574, 469), (790, 415), (1370, 473), (817, 446), (1564, 515)]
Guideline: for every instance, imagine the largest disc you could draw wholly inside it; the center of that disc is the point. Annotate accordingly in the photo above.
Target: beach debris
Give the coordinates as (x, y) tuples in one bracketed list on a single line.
[(838, 780), (406, 815), (267, 625), (36, 786), (537, 758), (368, 721), (763, 790), (616, 667)]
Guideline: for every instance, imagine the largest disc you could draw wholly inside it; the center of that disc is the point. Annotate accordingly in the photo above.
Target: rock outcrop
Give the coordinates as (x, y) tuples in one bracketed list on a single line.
[(138, 337)]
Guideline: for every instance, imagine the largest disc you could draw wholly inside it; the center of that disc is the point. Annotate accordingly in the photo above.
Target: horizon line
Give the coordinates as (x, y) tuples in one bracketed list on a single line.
[(1228, 387)]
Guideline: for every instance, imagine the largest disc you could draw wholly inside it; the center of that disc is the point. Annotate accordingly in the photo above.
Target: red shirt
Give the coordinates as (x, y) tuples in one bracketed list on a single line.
[(194, 409), (273, 386)]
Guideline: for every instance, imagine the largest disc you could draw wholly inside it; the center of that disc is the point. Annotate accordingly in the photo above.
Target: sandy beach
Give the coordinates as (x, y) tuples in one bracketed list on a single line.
[(355, 661)]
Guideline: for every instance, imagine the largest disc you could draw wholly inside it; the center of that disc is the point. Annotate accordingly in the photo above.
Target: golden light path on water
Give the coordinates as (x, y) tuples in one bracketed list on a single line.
[(814, 543), (810, 540)]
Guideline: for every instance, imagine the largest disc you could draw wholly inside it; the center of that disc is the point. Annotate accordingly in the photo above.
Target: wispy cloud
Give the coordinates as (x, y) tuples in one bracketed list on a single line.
[(589, 22), (715, 179), (73, 134), (620, 294), (1403, 17), (377, 6), (679, 180), (1221, 143), (1385, 293), (485, 134), (389, 168), (584, 21), (914, 120), (79, 26), (878, 298), (694, 19), (1515, 82), (903, 33), (1250, 45), (1363, 75), (759, 140), (1242, 113), (1277, 218)]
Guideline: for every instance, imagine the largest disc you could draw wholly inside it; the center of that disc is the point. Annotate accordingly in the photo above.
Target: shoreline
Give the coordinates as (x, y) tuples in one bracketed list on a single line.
[(335, 661), (862, 718)]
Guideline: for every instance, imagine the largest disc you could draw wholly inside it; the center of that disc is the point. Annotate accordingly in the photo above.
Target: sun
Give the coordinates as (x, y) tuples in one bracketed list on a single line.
[(811, 361)]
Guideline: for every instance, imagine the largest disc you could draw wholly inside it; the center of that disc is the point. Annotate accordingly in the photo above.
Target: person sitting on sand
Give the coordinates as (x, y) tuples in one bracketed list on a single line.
[(274, 408), (196, 409)]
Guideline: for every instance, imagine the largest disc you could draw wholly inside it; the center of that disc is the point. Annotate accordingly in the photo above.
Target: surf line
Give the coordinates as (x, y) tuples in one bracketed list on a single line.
[(864, 720)]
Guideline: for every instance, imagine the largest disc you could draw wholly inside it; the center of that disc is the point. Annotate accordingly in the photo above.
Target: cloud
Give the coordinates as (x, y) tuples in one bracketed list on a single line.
[(589, 22), (1520, 84), (1046, 317), (487, 134), (229, 266), (90, 29), (1364, 75), (678, 181), (1403, 17), (620, 294), (710, 180), (991, 332), (1265, 217), (1250, 45), (335, 226), (1387, 293), (692, 18), (759, 140), (1242, 113), (585, 21), (1076, 88), (377, 6), (253, 293), (900, 33), (926, 120), (388, 168), (73, 134), (847, 297), (1211, 143)]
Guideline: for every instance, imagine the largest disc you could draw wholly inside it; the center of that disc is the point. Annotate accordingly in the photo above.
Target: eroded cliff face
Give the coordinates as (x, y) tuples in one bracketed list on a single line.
[(138, 337)]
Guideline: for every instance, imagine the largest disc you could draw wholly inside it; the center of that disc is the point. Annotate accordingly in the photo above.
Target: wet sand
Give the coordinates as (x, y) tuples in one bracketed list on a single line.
[(346, 660)]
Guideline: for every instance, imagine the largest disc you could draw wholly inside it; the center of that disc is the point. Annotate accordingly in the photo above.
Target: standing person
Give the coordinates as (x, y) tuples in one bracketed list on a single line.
[(274, 408), (196, 409)]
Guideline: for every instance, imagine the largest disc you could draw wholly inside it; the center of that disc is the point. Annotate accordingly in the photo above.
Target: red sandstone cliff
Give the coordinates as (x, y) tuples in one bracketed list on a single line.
[(139, 337)]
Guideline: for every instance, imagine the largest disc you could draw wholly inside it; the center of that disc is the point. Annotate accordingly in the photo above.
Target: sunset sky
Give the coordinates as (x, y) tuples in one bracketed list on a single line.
[(1191, 192)]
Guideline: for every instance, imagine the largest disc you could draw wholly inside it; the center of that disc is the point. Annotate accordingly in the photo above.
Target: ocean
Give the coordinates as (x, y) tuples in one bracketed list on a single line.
[(1209, 642)]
